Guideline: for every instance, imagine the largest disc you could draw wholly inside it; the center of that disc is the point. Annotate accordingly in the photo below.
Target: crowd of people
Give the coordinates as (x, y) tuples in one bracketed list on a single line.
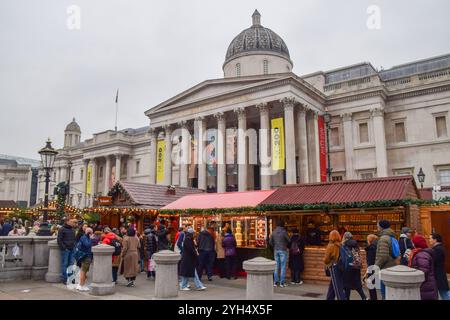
[(343, 262)]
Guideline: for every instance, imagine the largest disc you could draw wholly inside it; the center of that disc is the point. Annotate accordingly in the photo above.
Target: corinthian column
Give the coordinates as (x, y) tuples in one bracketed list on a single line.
[(168, 155), (289, 134), (184, 159), (242, 149), (380, 141), (153, 155), (264, 147), (303, 144), (221, 166), (348, 144), (107, 176), (200, 127)]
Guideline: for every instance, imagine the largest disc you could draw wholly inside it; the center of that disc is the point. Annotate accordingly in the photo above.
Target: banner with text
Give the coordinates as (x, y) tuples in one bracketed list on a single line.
[(211, 152), (322, 149), (277, 144), (193, 156), (160, 155), (89, 180), (231, 152)]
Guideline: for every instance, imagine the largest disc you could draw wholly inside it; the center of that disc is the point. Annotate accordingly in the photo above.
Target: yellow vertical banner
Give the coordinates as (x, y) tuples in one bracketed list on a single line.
[(278, 144), (160, 152), (89, 180)]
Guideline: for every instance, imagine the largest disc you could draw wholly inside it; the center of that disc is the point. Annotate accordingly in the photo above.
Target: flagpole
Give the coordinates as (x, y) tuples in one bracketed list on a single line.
[(117, 108)]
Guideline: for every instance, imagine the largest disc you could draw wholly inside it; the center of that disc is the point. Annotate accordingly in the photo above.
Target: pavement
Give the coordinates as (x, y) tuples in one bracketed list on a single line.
[(218, 289)]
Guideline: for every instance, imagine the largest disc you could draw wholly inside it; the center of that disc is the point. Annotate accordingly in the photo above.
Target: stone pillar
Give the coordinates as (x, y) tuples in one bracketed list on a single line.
[(53, 274), (289, 138), (380, 141), (94, 180), (242, 149), (200, 127), (264, 147), (348, 145), (168, 156), (303, 145), (221, 165), (153, 155), (259, 278), (107, 176), (166, 284), (102, 270), (316, 146), (118, 167), (41, 256), (184, 159), (402, 282)]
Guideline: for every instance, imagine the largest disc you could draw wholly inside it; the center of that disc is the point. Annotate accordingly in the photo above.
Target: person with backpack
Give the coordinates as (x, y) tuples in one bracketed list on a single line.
[(406, 245), (422, 259), (388, 250), (439, 265), (371, 251), (229, 246), (151, 247), (334, 267), (112, 239), (83, 256), (352, 273), (163, 237), (296, 250), (206, 244), (279, 241)]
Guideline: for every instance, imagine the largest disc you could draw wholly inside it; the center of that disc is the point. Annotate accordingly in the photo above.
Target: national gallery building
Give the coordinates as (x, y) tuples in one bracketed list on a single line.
[(262, 126)]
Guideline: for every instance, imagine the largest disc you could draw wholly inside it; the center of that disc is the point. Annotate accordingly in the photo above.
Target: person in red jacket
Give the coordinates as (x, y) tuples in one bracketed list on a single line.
[(108, 238), (422, 259)]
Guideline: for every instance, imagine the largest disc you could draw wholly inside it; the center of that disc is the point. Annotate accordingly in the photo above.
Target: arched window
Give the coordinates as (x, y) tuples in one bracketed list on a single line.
[(238, 69), (265, 66)]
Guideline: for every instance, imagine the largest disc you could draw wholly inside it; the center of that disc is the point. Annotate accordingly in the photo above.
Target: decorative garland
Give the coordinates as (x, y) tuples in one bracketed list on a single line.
[(260, 209), (120, 211)]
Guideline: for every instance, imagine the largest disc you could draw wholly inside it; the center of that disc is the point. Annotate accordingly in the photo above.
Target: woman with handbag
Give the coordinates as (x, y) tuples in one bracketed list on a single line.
[(333, 268)]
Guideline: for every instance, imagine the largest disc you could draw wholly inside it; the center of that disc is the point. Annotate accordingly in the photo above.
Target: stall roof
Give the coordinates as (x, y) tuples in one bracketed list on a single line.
[(8, 204), (154, 196), (389, 188), (220, 200)]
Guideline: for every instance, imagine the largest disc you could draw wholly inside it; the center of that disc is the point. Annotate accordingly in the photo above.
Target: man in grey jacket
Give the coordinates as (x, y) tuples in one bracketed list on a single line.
[(279, 240)]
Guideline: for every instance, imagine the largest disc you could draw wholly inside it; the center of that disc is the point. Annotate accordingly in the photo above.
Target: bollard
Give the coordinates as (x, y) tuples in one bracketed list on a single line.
[(40, 256), (402, 282), (102, 270), (259, 278), (166, 282), (53, 274)]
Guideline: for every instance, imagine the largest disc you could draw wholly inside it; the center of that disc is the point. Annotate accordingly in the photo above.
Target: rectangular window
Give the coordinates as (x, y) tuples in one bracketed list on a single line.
[(138, 164), (367, 175), (400, 134), (444, 177), (337, 178), (403, 172), (441, 126), (334, 137), (81, 174), (363, 132)]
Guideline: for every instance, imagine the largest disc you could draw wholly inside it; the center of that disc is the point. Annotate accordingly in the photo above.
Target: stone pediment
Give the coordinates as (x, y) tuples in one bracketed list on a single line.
[(212, 88)]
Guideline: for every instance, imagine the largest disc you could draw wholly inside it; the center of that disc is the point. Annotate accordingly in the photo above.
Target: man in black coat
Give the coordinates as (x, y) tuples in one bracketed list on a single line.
[(206, 248), (66, 242), (406, 245), (7, 227), (439, 265)]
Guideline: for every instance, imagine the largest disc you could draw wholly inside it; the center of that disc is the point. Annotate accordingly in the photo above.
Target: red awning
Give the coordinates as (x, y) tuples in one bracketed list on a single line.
[(220, 200), (390, 188)]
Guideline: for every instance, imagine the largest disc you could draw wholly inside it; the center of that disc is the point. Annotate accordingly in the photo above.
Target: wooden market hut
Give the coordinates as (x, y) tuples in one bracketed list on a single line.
[(353, 205), (7, 207), (137, 200)]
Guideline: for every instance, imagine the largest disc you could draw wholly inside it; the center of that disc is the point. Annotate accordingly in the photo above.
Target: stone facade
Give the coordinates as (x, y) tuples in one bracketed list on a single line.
[(383, 123)]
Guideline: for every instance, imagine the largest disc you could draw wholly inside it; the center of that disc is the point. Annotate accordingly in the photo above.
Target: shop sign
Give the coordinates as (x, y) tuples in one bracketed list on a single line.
[(104, 201)]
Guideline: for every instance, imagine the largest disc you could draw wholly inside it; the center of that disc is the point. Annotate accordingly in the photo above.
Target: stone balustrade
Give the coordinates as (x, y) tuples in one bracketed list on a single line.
[(24, 257)]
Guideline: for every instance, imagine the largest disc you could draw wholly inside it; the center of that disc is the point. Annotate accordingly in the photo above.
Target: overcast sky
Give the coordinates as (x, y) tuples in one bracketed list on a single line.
[(152, 50)]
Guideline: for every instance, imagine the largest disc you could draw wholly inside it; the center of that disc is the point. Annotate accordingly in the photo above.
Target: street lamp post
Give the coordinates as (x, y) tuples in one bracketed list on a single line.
[(48, 155), (421, 177), (327, 119)]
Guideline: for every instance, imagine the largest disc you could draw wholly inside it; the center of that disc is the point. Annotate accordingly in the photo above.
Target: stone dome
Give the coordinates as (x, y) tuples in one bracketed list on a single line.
[(257, 39), (73, 126)]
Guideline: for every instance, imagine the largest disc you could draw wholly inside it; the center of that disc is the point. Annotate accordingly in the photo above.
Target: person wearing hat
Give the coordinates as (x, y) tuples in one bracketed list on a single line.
[(406, 245), (439, 265), (422, 259), (384, 257), (188, 263)]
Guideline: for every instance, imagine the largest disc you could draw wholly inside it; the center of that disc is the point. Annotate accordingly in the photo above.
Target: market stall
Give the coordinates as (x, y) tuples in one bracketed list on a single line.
[(355, 205), (135, 204)]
